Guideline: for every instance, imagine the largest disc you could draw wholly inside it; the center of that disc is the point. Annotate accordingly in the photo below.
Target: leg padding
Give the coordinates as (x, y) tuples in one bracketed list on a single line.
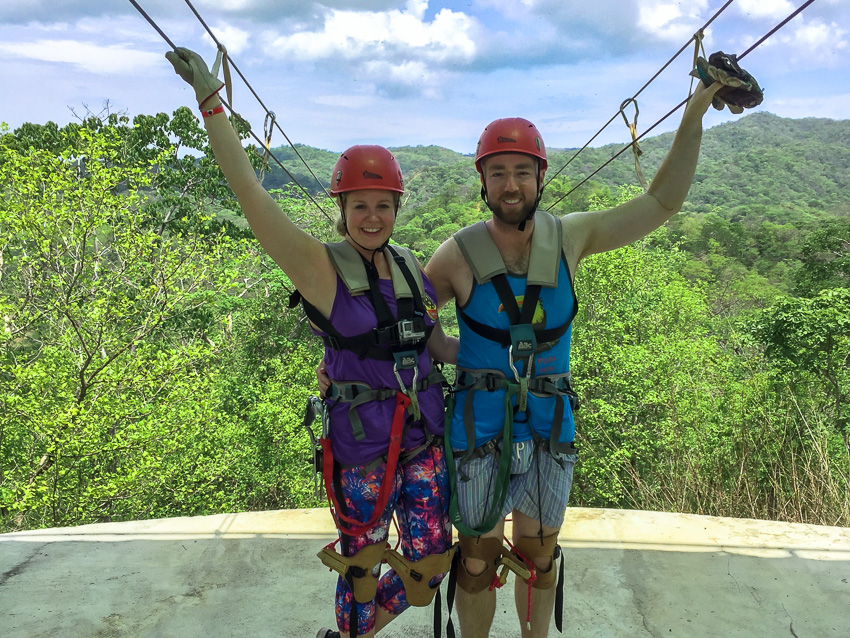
[(532, 547), (357, 569), (417, 575), (487, 549)]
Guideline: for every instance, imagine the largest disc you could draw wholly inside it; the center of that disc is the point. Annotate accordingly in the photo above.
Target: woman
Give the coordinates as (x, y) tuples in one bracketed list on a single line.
[(377, 315)]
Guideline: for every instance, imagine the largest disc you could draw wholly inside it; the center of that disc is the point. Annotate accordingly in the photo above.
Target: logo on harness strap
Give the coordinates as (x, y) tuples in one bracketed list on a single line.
[(523, 340)]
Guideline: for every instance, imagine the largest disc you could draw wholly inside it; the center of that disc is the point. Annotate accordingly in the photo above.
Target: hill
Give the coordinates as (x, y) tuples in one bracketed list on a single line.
[(759, 166)]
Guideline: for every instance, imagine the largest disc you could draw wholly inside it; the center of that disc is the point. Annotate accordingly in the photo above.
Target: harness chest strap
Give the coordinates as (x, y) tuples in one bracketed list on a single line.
[(407, 331), (482, 255), (349, 264)]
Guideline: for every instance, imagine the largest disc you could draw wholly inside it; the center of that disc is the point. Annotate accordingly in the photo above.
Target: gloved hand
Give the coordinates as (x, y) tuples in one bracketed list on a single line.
[(739, 91), (192, 68)]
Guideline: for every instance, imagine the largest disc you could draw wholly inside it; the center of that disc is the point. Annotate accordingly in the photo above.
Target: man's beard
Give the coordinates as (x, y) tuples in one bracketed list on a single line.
[(513, 219)]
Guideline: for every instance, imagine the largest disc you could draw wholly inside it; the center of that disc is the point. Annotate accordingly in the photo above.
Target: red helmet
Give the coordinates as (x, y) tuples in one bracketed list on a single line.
[(361, 167), (511, 135)]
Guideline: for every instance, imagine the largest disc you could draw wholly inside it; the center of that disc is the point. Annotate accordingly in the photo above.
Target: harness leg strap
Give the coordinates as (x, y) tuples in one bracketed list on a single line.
[(487, 549), (532, 547), (357, 569), (417, 575)]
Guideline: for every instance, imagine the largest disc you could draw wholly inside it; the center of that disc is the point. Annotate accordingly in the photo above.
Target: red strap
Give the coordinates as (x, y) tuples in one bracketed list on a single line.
[(346, 524), (213, 111), (533, 569)]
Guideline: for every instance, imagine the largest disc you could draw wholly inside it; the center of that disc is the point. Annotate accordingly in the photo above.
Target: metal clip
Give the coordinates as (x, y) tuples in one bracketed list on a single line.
[(522, 393), (403, 361)]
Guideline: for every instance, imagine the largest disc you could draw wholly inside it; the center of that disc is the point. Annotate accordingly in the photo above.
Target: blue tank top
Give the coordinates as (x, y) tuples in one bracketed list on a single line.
[(555, 307)]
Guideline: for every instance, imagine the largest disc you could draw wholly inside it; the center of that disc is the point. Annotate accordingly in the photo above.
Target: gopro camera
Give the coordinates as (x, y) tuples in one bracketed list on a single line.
[(411, 329)]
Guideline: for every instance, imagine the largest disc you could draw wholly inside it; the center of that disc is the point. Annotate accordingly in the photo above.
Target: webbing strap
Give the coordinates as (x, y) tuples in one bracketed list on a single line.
[(357, 393), (346, 524), (502, 475), (559, 591)]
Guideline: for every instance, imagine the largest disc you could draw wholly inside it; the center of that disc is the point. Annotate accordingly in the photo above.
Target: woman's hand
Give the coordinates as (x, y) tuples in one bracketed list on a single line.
[(192, 68)]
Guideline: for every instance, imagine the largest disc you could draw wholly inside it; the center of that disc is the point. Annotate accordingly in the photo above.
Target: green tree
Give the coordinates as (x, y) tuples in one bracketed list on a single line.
[(103, 359)]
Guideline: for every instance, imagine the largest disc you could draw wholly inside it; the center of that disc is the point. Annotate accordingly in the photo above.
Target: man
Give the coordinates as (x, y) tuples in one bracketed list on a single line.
[(512, 428)]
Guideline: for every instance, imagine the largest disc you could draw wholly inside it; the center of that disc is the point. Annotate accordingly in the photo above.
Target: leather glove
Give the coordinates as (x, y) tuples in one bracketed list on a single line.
[(740, 90), (192, 68)]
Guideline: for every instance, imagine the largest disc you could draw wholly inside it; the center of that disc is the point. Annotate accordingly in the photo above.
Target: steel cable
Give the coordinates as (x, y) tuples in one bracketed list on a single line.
[(676, 108), (232, 112)]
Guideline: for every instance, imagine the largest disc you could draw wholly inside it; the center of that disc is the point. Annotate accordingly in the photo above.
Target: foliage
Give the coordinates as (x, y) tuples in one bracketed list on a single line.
[(150, 364)]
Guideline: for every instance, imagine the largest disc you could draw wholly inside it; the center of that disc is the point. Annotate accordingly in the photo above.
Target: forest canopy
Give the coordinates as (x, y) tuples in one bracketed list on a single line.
[(150, 365)]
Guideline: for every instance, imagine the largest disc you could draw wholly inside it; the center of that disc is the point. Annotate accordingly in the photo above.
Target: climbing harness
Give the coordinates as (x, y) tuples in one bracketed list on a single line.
[(520, 342)]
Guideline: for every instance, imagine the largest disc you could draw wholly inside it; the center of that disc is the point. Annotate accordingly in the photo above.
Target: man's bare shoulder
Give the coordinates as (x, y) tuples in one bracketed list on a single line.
[(448, 271), (576, 228), (447, 255)]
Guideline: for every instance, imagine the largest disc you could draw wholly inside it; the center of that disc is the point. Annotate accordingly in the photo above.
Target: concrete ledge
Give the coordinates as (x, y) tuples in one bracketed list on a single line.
[(255, 574)]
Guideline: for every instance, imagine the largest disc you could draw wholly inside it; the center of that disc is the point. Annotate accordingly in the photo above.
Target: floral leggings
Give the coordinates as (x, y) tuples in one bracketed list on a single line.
[(420, 500)]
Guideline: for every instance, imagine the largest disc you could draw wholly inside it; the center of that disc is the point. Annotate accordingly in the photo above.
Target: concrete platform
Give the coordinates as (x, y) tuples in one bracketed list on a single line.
[(256, 574)]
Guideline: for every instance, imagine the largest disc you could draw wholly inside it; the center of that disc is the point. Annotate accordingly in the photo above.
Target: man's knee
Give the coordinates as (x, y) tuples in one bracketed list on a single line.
[(542, 551), (479, 561)]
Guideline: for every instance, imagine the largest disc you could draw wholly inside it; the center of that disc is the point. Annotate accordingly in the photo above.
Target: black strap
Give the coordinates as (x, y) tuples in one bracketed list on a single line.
[(378, 343), (411, 281), (559, 591), (503, 337), (438, 616), (450, 593)]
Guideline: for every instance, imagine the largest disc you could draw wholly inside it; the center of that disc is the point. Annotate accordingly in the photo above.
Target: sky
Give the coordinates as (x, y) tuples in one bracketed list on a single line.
[(416, 72)]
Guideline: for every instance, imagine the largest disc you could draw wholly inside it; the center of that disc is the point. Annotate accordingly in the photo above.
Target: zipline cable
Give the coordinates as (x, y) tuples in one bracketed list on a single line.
[(676, 108), (776, 28), (250, 88), (153, 24), (641, 89), (278, 162), (232, 112)]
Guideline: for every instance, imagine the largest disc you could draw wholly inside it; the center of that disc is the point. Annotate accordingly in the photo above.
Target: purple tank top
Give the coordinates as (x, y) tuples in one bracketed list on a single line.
[(353, 315)]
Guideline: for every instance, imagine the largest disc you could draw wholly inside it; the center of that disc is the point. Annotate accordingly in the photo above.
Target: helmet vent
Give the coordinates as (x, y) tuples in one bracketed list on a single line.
[(368, 175), (505, 140)]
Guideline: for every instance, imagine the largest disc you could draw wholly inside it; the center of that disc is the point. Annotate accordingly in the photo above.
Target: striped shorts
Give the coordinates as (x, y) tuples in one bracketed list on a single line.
[(539, 484)]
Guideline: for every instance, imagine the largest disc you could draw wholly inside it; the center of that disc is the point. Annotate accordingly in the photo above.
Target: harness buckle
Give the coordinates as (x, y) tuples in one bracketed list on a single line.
[(522, 392), (491, 382), (405, 361), (523, 340)]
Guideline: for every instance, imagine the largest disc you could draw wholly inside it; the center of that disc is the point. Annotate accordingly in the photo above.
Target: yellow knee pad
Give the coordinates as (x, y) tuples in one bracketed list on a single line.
[(532, 547), (417, 575), (357, 570), (488, 550)]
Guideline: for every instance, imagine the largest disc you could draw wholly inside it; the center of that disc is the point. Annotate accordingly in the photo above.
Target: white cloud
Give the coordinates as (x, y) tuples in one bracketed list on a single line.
[(234, 39), (94, 58), (397, 51), (417, 8), (354, 34), (775, 9), (672, 21), (814, 44), (824, 106)]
